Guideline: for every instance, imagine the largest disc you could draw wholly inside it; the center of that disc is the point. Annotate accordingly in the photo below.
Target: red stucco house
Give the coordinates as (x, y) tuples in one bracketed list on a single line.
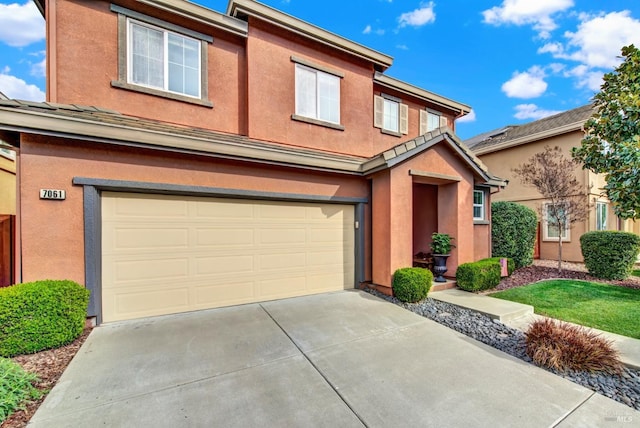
[(210, 159)]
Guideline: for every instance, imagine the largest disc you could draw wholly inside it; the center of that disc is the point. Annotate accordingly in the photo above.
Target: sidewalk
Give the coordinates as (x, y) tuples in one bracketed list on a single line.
[(520, 316)]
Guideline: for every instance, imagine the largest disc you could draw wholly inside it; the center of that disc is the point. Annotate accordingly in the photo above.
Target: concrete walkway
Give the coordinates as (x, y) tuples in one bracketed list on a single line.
[(520, 316), (345, 359)]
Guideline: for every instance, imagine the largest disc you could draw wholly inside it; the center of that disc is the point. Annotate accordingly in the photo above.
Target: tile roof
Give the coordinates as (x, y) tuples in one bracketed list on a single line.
[(109, 126), (521, 134)]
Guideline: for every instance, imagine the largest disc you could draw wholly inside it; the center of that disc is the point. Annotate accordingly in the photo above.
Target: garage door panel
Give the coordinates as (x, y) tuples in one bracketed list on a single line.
[(212, 252)]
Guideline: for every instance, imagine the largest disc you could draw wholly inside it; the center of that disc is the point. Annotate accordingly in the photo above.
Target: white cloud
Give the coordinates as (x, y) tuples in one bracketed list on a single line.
[(39, 69), (528, 84), (471, 117), (532, 111), (537, 13), (556, 67), (367, 30), (14, 87), (598, 40), (402, 47), (21, 25), (419, 17), (586, 77)]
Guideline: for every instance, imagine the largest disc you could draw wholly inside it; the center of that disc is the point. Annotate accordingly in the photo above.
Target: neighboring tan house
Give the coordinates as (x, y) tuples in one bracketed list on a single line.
[(503, 149), (189, 159)]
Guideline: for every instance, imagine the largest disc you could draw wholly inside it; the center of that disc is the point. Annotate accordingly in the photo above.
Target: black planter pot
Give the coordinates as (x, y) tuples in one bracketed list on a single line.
[(440, 266)]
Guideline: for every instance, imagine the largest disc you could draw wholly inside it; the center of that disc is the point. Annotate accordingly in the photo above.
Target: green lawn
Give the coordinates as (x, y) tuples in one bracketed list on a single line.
[(636, 272), (605, 307)]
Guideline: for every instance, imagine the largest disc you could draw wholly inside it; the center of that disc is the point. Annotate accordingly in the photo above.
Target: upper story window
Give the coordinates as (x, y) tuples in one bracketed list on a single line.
[(160, 58), (163, 60), (390, 115), (431, 120), (478, 205), (317, 94), (601, 216)]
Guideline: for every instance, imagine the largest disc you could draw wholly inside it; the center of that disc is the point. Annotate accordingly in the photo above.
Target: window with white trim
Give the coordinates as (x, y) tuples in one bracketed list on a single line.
[(430, 121), (390, 115), (601, 216), (551, 230), (317, 94), (163, 60), (478, 205)]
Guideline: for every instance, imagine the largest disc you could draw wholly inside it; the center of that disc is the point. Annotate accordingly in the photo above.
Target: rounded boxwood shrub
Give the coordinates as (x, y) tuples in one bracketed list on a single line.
[(477, 276), (610, 254), (41, 315), (411, 284), (513, 232), (511, 265)]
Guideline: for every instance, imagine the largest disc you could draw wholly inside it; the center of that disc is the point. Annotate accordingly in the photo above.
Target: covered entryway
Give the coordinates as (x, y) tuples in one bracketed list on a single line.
[(165, 254)]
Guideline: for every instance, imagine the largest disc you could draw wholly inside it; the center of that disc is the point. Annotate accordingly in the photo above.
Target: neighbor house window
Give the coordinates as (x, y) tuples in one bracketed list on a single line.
[(317, 94), (160, 58), (601, 216), (430, 121), (551, 231), (163, 60), (478, 205), (390, 115)]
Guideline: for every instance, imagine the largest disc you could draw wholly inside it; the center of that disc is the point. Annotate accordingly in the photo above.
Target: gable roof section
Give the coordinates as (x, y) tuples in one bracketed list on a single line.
[(422, 94), (103, 126), (515, 135), (241, 8), (411, 148)]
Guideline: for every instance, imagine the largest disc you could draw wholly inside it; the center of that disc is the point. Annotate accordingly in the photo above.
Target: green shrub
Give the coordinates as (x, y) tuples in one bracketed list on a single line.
[(16, 386), (513, 232), (565, 346), (411, 284), (511, 265), (608, 254), (41, 315), (476, 276)]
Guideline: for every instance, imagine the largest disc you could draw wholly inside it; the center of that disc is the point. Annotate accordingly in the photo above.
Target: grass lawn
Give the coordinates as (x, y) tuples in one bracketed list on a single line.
[(602, 306), (636, 272)]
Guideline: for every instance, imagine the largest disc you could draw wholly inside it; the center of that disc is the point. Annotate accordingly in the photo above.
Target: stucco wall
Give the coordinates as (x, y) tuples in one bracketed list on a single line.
[(52, 231), (85, 62)]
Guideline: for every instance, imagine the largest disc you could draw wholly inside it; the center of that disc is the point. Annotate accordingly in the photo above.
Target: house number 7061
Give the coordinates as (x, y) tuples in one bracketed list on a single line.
[(52, 194)]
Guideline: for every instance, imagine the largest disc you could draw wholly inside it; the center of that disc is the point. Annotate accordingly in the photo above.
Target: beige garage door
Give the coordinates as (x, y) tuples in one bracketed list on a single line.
[(168, 254)]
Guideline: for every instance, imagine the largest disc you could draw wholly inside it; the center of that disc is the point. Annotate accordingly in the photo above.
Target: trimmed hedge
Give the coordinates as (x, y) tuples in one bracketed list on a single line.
[(511, 265), (513, 232), (41, 315), (411, 284), (477, 276), (610, 254)]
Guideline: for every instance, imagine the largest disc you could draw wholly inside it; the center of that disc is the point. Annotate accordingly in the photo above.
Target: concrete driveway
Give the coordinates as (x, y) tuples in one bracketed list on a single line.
[(336, 360)]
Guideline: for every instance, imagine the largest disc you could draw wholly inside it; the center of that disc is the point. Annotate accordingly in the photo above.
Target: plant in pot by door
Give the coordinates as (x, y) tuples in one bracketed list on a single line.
[(440, 250)]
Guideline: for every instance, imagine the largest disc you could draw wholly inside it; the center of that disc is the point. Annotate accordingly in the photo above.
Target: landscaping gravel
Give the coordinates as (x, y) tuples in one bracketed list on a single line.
[(624, 388)]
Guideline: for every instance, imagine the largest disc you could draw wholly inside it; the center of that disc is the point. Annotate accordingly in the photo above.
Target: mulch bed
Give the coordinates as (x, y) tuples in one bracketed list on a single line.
[(48, 366), (531, 274)]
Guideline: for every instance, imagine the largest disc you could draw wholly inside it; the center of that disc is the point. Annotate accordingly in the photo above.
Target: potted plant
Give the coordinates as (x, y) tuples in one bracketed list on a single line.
[(440, 249)]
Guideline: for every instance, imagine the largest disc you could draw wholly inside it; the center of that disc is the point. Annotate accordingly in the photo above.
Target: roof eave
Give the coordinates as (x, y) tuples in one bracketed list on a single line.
[(305, 29), (423, 94), (41, 5)]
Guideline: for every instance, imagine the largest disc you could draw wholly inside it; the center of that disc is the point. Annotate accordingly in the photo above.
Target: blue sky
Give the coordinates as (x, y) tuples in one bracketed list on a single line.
[(513, 61)]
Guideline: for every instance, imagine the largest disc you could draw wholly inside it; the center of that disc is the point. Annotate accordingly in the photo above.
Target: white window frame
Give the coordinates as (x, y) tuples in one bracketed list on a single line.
[(165, 35), (433, 121), (390, 123), (318, 94), (601, 215), (481, 205), (545, 230)]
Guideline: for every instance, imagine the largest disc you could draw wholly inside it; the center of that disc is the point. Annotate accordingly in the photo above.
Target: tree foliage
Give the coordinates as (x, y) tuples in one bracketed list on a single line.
[(553, 176), (611, 145)]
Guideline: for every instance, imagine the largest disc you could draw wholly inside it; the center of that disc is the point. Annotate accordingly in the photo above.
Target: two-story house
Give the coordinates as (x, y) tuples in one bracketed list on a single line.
[(506, 148), (189, 159)]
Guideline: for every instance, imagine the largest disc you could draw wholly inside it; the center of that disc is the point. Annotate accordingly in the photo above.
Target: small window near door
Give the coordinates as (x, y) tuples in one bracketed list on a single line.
[(478, 205), (601, 216)]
